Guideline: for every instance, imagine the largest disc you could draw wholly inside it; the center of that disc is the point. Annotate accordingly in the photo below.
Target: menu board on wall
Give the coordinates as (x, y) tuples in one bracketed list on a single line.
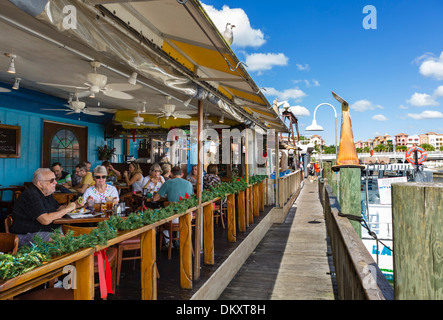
[(9, 141)]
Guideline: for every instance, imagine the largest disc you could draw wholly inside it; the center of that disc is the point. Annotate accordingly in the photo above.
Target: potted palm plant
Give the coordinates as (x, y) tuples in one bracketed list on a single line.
[(105, 153)]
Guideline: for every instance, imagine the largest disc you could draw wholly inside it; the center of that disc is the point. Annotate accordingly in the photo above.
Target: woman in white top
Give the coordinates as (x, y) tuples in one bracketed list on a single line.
[(154, 181), (100, 191), (134, 178)]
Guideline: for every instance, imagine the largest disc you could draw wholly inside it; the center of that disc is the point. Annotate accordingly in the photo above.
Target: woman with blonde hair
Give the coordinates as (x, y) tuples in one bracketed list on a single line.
[(134, 177), (166, 168), (155, 180)]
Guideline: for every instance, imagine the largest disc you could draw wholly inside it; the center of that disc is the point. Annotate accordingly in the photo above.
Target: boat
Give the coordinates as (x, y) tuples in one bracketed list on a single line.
[(376, 181)]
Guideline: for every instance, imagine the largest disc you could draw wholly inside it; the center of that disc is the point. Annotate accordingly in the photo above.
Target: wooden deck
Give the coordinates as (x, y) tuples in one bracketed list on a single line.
[(168, 285), (292, 261)]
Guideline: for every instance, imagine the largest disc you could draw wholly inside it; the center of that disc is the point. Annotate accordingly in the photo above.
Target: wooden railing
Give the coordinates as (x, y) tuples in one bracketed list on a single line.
[(288, 185), (247, 204), (358, 276)]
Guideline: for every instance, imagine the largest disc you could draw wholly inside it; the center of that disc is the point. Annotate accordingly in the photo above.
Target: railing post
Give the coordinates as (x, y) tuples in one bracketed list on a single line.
[(232, 236), (250, 205), (148, 266), (85, 278), (262, 196), (208, 234), (418, 241), (256, 201), (350, 194), (241, 211), (185, 236)]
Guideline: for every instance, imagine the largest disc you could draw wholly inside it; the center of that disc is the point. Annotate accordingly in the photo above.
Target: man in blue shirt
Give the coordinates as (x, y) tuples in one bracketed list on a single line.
[(175, 188)]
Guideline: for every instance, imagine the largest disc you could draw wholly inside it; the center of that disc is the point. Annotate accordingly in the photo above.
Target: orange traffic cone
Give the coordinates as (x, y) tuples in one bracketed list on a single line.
[(347, 154)]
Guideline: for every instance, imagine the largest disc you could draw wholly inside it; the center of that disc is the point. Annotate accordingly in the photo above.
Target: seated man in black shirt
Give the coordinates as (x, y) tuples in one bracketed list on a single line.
[(36, 209)]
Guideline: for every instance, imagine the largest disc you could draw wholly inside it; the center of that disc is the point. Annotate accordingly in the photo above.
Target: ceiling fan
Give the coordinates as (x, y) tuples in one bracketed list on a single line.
[(76, 106), (139, 121), (97, 83), (168, 110)]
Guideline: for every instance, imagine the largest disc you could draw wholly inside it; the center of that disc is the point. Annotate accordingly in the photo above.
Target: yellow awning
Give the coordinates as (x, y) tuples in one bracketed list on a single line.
[(186, 34)]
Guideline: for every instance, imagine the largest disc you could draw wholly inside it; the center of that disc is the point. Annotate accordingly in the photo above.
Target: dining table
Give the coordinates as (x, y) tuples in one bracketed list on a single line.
[(89, 217)]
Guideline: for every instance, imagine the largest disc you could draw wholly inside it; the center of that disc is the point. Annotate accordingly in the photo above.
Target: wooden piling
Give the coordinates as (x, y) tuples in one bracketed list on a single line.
[(350, 194), (417, 222)]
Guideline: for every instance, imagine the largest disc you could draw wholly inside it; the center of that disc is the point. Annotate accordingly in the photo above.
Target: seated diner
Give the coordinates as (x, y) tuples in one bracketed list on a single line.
[(192, 176), (35, 209), (64, 181), (166, 171), (155, 180), (112, 172), (133, 178), (100, 191), (174, 189), (86, 178)]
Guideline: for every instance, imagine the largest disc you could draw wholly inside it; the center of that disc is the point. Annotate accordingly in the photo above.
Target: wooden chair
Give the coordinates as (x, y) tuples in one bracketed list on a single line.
[(172, 228), (8, 243), (111, 253), (220, 212), (130, 244), (8, 223), (63, 198)]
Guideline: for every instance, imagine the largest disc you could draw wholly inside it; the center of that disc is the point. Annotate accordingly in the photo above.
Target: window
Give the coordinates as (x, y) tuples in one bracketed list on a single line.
[(64, 143), (65, 149)]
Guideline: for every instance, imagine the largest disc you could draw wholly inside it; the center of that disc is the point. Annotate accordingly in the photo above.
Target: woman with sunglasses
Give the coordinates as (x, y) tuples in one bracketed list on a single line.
[(100, 191), (154, 181)]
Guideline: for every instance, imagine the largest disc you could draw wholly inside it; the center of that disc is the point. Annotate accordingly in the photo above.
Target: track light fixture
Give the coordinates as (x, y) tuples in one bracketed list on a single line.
[(133, 78), (16, 85), (222, 119), (11, 68)]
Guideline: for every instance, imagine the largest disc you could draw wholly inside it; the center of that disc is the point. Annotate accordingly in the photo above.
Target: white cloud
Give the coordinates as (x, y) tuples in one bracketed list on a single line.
[(304, 67), (432, 66), (379, 117), (265, 61), (364, 105), (438, 92), (299, 111), (295, 94), (402, 107), (244, 34), (422, 100), (426, 115)]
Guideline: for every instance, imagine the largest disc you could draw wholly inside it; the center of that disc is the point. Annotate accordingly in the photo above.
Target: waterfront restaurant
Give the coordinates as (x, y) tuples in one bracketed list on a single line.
[(136, 81)]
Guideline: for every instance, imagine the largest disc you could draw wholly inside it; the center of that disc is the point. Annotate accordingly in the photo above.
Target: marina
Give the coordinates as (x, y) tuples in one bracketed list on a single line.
[(142, 159)]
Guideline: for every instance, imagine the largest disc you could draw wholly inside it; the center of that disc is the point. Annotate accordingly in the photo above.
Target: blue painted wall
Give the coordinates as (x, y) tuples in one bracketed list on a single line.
[(22, 108)]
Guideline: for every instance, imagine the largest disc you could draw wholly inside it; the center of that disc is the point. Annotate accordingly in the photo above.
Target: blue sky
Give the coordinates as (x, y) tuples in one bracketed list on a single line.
[(300, 51)]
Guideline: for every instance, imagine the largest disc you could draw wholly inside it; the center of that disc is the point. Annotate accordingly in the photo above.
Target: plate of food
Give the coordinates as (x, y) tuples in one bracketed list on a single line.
[(80, 211)]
